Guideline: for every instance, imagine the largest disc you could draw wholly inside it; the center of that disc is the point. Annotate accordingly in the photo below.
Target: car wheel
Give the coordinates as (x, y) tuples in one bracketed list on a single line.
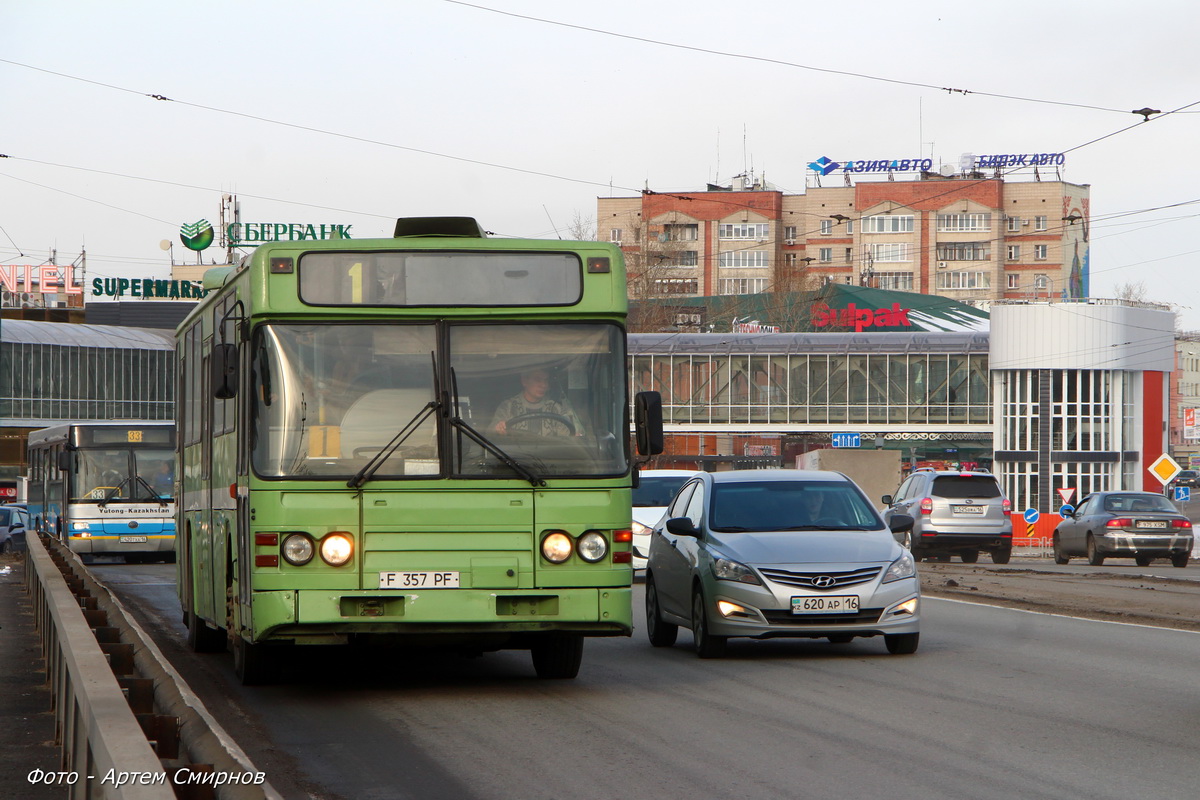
[(660, 633), (707, 645), (1179, 559), (6, 547), (1002, 556), (558, 655), (1142, 561), (970, 556), (902, 644), (1094, 556), (1059, 556)]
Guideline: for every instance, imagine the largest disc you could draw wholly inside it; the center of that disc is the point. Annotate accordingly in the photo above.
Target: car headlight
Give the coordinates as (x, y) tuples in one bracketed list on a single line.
[(592, 547), (81, 526), (726, 569), (556, 547), (298, 549), (639, 529), (902, 567), (336, 548)]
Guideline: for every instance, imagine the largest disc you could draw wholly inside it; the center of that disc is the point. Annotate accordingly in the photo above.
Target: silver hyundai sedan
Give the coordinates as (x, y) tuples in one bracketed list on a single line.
[(779, 553)]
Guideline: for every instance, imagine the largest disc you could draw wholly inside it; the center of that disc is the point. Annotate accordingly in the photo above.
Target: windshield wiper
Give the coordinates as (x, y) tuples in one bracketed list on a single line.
[(153, 494), (371, 467), (113, 492), (491, 447)]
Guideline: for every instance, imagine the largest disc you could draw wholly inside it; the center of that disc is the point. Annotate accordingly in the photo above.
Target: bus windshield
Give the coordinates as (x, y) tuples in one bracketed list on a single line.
[(113, 473), (330, 397)]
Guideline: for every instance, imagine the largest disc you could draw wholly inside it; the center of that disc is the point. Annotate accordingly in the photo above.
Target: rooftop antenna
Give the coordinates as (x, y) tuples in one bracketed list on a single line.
[(552, 225)]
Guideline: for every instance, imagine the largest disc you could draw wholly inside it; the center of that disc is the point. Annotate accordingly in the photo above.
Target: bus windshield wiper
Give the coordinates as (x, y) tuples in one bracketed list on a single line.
[(113, 492), (410, 427), (491, 447), (153, 494)]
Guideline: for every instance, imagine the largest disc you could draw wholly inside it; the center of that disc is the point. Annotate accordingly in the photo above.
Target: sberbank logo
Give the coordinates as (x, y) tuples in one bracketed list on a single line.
[(196, 235)]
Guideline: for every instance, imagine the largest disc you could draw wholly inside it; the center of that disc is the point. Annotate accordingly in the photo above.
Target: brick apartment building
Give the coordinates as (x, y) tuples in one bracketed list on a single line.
[(966, 236)]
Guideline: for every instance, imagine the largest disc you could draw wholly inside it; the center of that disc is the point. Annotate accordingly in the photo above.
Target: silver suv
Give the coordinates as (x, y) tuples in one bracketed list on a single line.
[(959, 513)]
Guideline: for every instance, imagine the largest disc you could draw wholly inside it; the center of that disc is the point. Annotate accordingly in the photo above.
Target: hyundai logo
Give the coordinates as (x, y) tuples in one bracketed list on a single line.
[(133, 523), (824, 581)]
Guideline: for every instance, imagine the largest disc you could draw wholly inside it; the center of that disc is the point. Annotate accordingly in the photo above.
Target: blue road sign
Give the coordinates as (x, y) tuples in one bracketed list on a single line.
[(1031, 515), (847, 440), (1183, 494), (1066, 510)]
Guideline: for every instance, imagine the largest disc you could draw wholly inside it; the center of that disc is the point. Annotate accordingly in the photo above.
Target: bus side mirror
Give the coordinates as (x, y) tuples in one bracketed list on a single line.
[(648, 423), (224, 376), (66, 461)]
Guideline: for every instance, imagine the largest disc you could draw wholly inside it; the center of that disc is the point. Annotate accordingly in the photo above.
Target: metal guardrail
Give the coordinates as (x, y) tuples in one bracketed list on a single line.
[(128, 725)]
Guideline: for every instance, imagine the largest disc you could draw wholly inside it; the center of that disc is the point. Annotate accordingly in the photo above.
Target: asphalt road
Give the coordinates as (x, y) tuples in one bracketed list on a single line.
[(997, 703)]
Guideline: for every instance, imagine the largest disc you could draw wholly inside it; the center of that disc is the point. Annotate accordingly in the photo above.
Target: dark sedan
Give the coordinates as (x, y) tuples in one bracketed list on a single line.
[(1138, 525)]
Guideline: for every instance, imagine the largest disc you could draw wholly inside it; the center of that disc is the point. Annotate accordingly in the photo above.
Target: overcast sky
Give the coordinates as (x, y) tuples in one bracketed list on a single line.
[(356, 113)]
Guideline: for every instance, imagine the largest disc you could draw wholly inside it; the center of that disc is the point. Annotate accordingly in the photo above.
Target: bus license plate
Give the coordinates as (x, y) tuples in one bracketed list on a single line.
[(133, 540), (845, 604), (418, 580)]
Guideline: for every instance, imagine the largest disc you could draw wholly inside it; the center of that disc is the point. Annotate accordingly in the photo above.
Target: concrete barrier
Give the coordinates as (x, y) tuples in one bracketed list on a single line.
[(128, 725)]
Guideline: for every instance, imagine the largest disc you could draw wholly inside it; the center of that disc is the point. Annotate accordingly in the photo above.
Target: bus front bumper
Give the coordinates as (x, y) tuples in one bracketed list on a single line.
[(315, 614)]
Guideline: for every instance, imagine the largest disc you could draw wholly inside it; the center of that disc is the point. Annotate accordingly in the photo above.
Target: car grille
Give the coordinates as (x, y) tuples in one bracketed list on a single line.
[(818, 580), (866, 616)]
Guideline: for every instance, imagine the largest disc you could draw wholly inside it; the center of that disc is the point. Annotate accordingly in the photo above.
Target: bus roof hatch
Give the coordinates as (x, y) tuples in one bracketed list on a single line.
[(461, 227)]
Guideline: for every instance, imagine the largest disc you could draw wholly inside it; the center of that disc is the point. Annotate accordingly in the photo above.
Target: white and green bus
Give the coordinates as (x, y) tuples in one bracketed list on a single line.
[(420, 439)]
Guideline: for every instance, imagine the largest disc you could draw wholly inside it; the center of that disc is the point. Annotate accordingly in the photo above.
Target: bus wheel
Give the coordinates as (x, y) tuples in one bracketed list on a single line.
[(558, 655), (203, 639), (254, 664)]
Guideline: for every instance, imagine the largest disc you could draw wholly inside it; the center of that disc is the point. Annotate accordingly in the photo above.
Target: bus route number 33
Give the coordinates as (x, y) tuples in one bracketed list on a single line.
[(418, 580)]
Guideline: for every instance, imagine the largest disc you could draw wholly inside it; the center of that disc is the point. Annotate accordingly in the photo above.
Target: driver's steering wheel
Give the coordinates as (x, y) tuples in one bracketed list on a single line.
[(570, 426)]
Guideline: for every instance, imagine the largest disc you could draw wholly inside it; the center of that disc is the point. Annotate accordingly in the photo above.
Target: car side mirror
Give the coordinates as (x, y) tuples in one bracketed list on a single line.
[(682, 526), (887, 499), (901, 522)]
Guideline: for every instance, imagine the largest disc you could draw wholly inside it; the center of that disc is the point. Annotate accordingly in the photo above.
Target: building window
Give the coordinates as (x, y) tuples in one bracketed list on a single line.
[(1014, 280), (745, 258), (675, 286), (615, 235), (964, 223), (826, 227), (1039, 223), (1014, 224), (849, 226), (899, 281), (681, 258), (1039, 251), (964, 280), (849, 255), (888, 223), (745, 230), (825, 255), (899, 251), (681, 233), (743, 285), (1014, 252), (789, 232), (963, 251)]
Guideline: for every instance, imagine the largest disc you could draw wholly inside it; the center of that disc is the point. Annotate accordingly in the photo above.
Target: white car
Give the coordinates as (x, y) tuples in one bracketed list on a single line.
[(655, 489)]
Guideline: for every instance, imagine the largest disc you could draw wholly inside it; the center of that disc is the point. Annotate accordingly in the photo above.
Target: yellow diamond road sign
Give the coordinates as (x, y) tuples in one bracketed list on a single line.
[(1165, 468)]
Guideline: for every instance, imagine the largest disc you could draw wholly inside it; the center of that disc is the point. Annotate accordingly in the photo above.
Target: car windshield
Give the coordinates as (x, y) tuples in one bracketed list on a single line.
[(1122, 503), (653, 492), (790, 505), (960, 487)]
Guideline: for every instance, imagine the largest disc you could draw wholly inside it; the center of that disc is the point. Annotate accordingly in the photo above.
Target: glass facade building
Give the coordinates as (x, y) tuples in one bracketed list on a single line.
[(53, 371)]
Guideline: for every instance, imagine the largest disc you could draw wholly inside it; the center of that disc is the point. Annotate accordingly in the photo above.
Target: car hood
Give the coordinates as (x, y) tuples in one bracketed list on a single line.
[(808, 547), (648, 515)]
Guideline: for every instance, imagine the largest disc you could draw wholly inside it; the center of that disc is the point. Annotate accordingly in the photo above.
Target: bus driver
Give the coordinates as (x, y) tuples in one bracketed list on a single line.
[(532, 411)]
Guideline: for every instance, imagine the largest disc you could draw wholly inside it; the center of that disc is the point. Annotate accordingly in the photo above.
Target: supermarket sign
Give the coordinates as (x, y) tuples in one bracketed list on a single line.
[(859, 319)]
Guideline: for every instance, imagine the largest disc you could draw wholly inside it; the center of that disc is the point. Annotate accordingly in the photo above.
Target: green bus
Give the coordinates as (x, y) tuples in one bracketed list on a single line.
[(416, 440)]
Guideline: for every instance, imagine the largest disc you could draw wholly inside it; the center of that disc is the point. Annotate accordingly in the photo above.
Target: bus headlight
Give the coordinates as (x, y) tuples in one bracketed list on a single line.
[(592, 547), (556, 547), (297, 549), (336, 549)]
